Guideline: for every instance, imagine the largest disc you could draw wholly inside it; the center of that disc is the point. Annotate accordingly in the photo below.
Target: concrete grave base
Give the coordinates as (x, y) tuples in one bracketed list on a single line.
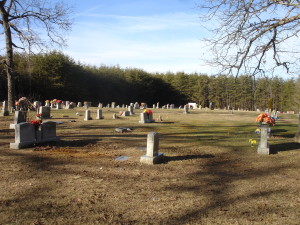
[(152, 160), (263, 150)]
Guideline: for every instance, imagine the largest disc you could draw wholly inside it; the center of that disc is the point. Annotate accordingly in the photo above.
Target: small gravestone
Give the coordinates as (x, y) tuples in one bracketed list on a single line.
[(20, 117), (45, 111), (100, 105), (79, 104), (58, 105), (115, 116), (25, 135), (4, 111), (113, 105), (37, 104), (99, 114), (136, 105), (87, 115), (152, 156), (263, 146), (186, 109), (48, 130), (146, 118), (47, 103), (130, 110)]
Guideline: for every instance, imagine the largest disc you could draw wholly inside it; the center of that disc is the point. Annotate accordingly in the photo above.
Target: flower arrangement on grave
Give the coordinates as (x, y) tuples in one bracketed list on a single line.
[(24, 104), (37, 123), (148, 111), (252, 142), (265, 118)]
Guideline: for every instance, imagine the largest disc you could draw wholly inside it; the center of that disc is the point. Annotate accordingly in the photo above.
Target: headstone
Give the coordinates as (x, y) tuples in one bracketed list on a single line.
[(37, 104), (79, 104), (100, 106), (130, 109), (172, 106), (87, 115), (48, 130), (146, 118), (99, 114), (152, 156), (45, 111), (153, 106), (115, 116), (58, 105), (47, 103), (157, 105), (263, 146), (186, 109), (25, 135), (136, 105), (20, 117), (4, 111), (113, 105)]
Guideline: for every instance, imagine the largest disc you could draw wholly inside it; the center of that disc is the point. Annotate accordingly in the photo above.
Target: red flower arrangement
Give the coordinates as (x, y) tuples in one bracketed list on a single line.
[(36, 123), (148, 111), (265, 118)]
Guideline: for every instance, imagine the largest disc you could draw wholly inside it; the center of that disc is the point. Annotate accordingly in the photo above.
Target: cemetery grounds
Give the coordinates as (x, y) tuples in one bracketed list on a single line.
[(210, 175)]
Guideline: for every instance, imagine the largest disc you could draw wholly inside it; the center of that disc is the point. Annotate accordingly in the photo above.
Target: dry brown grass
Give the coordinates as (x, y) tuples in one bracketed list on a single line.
[(210, 175)]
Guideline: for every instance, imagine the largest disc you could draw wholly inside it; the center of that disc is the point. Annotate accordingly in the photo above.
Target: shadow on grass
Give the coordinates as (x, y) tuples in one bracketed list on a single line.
[(285, 147), (186, 157)]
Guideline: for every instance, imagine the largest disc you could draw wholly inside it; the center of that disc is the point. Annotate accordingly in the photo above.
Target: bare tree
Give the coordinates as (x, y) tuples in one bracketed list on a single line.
[(22, 21), (253, 36)]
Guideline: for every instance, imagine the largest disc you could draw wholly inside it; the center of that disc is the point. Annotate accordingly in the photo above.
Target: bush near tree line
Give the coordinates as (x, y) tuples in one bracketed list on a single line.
[(55, 75)]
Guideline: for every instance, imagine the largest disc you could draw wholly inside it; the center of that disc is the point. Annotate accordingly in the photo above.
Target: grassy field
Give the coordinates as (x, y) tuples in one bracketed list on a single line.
[(210, 175)]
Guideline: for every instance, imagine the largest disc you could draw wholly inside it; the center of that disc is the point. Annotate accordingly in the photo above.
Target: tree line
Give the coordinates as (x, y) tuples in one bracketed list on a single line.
[(54, 75)]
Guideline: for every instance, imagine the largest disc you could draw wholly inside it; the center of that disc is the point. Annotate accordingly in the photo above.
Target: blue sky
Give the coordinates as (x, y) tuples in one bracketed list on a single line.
[(153, 35)]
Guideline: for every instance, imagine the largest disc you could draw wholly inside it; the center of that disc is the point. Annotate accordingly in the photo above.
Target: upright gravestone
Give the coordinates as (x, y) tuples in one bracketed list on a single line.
[(100, 106), (25, 135), (186, 109), (99, 114), (130, 109), (87, 115), (152, 156), (37, 104), (146, 118), (79, 104), (113, 105), (20, 117), (45, 111), (263, 146), (58, 105), (136, 105), (157, 105), (48, 130), (4, 111)]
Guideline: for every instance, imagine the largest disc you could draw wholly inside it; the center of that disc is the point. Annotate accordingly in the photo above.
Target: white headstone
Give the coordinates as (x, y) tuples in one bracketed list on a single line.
[(87, 115), (152, 156)]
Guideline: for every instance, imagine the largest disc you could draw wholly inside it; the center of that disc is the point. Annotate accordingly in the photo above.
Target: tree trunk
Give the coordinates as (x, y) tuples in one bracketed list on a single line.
[(297, 136), (9, 62)]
